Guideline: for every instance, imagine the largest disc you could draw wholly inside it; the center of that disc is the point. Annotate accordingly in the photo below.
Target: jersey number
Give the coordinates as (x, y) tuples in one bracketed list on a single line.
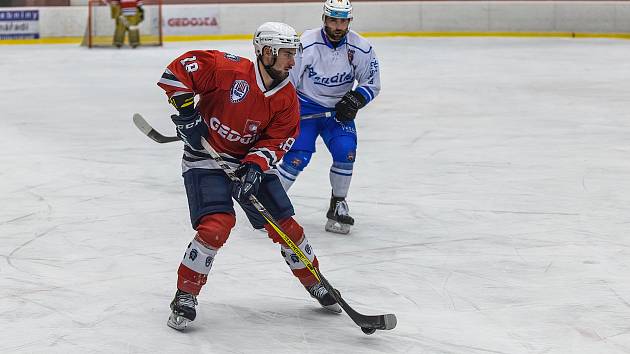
[(190, 64)]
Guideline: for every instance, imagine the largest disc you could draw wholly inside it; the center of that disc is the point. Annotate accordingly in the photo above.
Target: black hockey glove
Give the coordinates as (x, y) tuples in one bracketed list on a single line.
[(251, 176), (140, 13), (349, 105), (191, 129)]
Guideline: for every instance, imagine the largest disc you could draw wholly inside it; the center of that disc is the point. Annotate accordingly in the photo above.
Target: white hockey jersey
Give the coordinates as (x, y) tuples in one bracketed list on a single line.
[(323, 73)]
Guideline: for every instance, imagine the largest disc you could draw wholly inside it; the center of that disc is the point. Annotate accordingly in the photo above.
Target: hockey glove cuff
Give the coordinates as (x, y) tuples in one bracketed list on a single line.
[(349, 105), (191, 129), (251, 176)]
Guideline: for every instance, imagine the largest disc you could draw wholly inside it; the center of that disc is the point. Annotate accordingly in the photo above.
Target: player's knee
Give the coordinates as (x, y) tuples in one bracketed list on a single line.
[(290, 227), (297, 160), (344, 149), (214, 229)]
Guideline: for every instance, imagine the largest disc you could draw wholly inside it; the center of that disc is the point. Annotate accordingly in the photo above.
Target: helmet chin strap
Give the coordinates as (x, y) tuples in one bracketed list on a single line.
[(269, 69)]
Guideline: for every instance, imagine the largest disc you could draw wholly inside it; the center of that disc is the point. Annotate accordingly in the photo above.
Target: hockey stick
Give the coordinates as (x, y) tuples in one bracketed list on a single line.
[(317, 115), (159, 138), (368, 324), (150, 132)]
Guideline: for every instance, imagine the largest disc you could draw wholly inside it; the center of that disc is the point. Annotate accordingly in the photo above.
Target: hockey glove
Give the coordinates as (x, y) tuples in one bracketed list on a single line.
[(349, 105), (250, 176), (191, 129), (140, 14)]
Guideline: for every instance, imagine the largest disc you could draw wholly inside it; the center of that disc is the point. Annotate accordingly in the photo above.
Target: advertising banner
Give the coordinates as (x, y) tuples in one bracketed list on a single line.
[(19, 24), (189, 20)]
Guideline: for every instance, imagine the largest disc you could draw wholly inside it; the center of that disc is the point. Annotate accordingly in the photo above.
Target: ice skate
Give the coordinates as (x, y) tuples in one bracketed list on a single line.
[(339, 221), (319, 293), (183, 310)]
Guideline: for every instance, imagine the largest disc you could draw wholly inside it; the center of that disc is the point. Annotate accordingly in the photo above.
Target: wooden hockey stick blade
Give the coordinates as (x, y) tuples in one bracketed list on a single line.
[(368, 323), (148, 130)]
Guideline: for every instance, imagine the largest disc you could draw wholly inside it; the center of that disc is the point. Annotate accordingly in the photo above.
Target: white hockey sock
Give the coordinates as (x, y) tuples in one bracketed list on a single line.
[(293, 260), (287, 175), (199, 258), (340, 177)]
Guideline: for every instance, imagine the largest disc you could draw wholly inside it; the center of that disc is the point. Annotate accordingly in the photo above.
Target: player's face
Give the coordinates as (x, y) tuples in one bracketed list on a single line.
[(336, 28), (284, 62)]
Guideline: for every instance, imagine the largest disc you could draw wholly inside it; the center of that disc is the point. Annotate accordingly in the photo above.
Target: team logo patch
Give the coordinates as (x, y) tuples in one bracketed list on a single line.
[(350, 55), (232, 57), (251, 126), (239, 90)]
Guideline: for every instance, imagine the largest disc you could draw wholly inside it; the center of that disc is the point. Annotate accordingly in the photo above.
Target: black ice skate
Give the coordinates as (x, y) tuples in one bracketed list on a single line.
[(183, 307), (339, 221), (319, 293)]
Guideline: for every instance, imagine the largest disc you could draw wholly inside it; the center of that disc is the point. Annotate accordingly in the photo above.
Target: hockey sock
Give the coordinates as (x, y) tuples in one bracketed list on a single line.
[(298, 268), (193, 271), (340, 177), (287, 175)]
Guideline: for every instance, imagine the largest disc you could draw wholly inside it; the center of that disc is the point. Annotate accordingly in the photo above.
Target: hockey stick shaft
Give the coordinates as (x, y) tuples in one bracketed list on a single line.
[(369, 322), (384, 322), (162, 139), (261, 209), (317, 115)]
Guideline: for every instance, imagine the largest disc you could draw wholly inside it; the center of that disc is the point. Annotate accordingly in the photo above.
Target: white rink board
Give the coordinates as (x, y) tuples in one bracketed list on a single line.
[(380, 16), (491, 194)]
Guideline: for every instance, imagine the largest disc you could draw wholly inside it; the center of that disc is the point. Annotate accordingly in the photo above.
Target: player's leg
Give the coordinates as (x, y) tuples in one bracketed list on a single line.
[(341, 141), (134, 30), (212, 216), (275, 200), (294, 161), (119, 32)]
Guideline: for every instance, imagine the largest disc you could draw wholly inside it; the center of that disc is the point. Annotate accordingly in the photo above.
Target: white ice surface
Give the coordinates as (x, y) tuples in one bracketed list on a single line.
[(491, 193)]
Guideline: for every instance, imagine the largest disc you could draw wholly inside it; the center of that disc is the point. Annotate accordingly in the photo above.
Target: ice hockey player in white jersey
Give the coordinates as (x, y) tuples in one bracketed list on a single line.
[(336, 75)]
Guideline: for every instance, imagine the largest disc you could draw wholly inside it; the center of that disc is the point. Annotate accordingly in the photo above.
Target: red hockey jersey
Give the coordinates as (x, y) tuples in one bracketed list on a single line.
[(246, 121), (128, 6)]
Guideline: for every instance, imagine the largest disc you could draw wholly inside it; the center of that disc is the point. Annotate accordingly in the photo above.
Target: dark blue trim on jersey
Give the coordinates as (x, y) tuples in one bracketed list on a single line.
[(327, 41), (308, 106), (361, 50), (366, 92), (339, 84)]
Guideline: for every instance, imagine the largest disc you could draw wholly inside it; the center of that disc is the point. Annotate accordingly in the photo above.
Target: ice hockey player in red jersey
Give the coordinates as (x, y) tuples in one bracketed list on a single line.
[(248, 112)]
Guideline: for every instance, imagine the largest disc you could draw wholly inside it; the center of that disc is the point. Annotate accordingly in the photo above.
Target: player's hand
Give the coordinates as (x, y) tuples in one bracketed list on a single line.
[(250, 176), (349, 105), (191, 129)]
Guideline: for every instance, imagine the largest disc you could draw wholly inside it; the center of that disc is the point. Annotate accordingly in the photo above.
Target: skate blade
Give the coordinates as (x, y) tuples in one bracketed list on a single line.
[(337, 227), (177, 322), (333, 308)]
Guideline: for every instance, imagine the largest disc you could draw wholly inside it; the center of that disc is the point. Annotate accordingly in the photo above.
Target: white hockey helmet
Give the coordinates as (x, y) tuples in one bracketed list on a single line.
[(275, 35), (338, 9)]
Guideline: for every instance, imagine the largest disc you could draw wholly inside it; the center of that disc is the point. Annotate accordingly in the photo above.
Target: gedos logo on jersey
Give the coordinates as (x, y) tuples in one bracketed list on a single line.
[(230, 134), (239, 90), (334, 80)]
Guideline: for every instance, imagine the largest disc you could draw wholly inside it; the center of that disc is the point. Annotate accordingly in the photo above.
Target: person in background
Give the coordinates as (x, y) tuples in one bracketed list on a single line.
[(334, 59), (128, 14)]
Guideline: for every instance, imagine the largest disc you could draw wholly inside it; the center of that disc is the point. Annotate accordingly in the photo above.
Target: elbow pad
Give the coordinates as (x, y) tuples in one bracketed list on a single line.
[(184, 104)]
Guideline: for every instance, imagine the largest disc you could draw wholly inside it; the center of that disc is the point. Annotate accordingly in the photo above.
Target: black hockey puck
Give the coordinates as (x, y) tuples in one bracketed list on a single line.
[(368, 330)]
